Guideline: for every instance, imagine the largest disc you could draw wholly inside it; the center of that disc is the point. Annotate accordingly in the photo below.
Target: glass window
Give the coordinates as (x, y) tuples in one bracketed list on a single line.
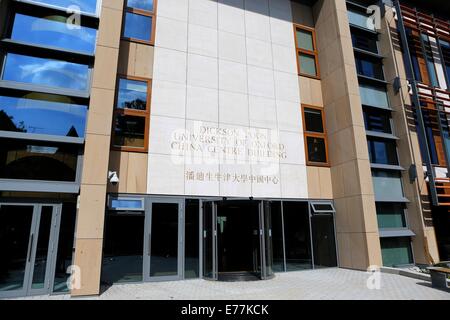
[(382, 151), (377, 120), (297, 236), (132, 114), (129, 131), (191, 251), (307, 64), (396, 251), (46, 72), (364, 41), (368, 67), (146, 5), (315, 136), (445, 47), (416, 51), (374, 96), (53, 31), (88, 6), (433, 135), (306, 51), (132, 94), (313, 120), (52, 115), (431, 68), (361, 19), (322, 207), (138, 27), (127, 204), (387, 185), (391, 216), (52, 162), (123, 247), (305, 39), (316, 150)]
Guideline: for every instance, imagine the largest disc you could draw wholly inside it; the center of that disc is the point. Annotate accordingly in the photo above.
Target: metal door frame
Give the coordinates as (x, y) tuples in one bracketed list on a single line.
[(261, 236), (263, 244), (215, 270), (148, 239), (51, 251), (33, 237)]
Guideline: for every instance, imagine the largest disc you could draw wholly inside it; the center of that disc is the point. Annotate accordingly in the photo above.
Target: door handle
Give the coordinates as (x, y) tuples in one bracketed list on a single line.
[(149, 243), (31, 247)]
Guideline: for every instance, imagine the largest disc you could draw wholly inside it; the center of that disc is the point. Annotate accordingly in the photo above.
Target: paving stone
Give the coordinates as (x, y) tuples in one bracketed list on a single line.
[(323, 284)]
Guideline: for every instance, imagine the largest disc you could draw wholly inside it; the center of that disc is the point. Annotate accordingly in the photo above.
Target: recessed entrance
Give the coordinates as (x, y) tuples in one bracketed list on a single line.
[(236, 235), (165, 238), (238, 247)]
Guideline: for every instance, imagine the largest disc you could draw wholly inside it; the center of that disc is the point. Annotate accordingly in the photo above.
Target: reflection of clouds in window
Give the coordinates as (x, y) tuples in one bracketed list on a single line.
[(53, 31), (141, 4), (88, 6), (132, 94), (29, 104), (61, 27), (42, 149), (42, 117), (46, 72)]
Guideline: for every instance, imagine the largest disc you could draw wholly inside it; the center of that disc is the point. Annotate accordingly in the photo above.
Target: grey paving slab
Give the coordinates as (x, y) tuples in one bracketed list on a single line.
[(325, 284)]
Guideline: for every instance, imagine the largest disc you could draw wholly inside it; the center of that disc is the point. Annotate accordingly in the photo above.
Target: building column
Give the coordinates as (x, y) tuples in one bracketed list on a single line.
[(356, 221), (91, 211)]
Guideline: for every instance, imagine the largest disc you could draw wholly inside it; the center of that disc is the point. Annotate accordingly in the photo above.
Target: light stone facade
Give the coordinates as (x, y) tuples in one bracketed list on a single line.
[(226, 65)]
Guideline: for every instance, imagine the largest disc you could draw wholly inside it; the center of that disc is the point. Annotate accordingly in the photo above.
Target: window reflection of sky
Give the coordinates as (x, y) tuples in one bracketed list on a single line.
[(138, 26), (141, 4), (53, 31), (42, 117), (46, 72), (131, 91), (89, 6)]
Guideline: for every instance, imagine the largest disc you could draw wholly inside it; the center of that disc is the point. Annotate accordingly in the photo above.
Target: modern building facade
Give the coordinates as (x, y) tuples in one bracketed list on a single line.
[(146, 140)]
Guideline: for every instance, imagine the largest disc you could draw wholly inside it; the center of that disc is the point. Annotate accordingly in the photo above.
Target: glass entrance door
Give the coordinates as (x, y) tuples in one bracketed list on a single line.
[(265, 222), (210, 240), (27, 238), (237, 239), (163, 253)]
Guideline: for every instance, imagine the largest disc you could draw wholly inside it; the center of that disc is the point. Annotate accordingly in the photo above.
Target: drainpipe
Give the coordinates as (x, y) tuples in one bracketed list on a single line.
[(416, 101)]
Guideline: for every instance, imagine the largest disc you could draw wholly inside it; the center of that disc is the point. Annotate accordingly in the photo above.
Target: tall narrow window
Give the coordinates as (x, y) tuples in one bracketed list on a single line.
[(307, 56), (131, 116), (315, 136), (139, 21)]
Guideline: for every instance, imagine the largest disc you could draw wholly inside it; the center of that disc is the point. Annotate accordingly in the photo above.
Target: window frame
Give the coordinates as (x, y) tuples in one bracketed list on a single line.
[(310, 134), (313, 53), (151, 14), (130, 112), (372, 151), (369, 111), (375, 62)]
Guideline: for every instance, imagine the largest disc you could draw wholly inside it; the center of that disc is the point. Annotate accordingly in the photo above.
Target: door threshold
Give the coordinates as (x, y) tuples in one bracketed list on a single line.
[(239, 276)]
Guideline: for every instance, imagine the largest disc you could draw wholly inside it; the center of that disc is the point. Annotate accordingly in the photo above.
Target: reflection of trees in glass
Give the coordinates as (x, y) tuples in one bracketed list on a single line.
[(7, 123), (72, 132), (136, 104)]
